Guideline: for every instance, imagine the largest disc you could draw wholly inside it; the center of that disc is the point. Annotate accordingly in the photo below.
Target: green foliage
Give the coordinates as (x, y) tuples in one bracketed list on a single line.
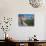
[(29, 22)]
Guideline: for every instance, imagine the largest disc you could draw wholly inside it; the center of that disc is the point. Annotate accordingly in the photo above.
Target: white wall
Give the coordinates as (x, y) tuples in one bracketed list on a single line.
[(12, 8)]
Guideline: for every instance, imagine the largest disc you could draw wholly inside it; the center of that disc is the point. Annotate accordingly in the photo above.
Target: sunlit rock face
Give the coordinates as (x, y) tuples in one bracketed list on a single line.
[(35, 3)]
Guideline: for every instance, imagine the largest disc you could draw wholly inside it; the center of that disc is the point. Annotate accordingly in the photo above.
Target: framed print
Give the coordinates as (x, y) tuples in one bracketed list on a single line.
[(26, 19)]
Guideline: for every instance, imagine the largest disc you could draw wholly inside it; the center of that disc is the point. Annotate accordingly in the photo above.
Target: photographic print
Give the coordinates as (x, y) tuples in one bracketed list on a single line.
[(26, 19)]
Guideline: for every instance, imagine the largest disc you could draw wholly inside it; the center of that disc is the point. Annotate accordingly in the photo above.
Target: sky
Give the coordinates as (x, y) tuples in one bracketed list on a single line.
[(28, 16)]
